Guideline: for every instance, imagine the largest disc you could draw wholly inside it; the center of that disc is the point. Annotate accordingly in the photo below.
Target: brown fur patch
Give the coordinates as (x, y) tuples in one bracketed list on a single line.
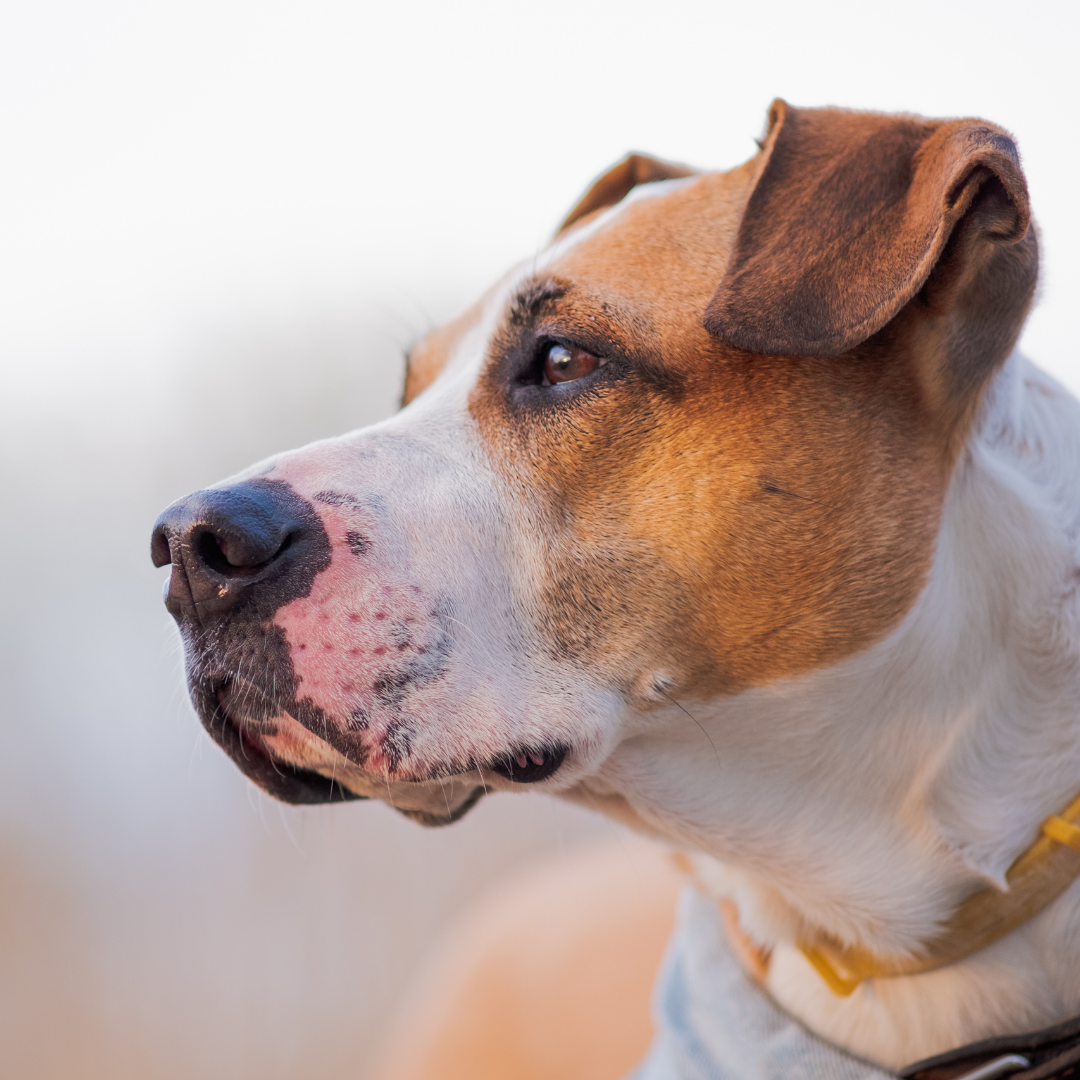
[(851, 214), (699, 518)]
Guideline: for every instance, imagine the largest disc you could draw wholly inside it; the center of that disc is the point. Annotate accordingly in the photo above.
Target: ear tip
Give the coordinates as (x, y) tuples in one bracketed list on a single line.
[(728, 320), (775, 117), (979, 146), (988, 144), (714, 323)]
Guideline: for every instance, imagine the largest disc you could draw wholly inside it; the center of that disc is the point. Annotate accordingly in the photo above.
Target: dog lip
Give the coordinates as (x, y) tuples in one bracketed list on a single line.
[(242, 709), (424, 817), (532, 772), (226, 693), (238, 739)]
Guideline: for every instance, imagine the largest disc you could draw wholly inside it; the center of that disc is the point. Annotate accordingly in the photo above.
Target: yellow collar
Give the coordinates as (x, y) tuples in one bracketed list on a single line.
[(1037, 877)]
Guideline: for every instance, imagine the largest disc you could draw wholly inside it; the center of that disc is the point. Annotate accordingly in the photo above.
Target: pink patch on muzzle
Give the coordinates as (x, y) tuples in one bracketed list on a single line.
[(362, 637)]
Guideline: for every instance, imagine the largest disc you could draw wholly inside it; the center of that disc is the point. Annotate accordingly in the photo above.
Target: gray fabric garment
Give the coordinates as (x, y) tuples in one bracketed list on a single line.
[(714, 1023)]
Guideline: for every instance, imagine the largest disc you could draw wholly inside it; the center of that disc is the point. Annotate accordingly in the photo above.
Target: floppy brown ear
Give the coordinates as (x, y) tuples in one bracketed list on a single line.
[(850, 214), (614, 185)]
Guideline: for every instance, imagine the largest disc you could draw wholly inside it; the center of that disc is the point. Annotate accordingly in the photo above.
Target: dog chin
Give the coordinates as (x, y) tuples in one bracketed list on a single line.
[(434, 802)]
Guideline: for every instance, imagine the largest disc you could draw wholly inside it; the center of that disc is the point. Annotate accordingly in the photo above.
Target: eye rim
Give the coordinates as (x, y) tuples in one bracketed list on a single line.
[(543, 356)]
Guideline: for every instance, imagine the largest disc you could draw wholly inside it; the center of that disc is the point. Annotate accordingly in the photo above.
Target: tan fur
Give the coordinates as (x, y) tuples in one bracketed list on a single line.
[(823, 479)]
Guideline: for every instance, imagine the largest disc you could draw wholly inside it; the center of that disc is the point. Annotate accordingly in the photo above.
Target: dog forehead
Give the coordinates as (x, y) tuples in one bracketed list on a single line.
[(665, 246)]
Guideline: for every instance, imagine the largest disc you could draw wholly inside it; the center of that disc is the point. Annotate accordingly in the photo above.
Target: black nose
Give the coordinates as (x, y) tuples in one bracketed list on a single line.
[(255, 543)]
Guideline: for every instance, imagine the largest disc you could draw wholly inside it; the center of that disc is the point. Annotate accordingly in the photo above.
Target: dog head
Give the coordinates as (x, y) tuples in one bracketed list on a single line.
[(698, 445)]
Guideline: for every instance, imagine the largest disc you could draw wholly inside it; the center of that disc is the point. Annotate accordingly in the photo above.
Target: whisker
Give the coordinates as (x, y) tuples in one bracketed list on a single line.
[(702, 729)]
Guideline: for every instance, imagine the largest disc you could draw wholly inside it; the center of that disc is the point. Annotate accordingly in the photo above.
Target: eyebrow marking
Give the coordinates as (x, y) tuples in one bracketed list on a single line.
[(530, 297)]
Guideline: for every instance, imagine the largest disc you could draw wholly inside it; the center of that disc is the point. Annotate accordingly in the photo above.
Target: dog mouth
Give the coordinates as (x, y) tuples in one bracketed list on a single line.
[(244, 723)]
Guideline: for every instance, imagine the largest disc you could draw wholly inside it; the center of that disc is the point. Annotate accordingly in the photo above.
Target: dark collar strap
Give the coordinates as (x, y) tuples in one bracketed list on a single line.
[(1050, 1054)]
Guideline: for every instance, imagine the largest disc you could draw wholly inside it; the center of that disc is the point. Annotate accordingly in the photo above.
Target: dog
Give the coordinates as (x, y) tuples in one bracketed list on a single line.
[(736, 514)]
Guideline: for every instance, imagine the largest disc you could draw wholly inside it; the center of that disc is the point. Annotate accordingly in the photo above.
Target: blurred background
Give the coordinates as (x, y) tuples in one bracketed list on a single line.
[(220, 226)]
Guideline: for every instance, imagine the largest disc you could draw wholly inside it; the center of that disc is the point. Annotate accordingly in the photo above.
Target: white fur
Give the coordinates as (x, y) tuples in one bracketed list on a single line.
[(868, 799)]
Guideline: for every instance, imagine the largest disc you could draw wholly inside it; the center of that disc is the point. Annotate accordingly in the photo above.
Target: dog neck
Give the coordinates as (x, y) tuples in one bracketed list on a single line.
[(867, 801)]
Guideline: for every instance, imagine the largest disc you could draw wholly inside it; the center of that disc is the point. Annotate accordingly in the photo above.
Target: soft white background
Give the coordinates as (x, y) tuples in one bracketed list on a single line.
[(220, 223)]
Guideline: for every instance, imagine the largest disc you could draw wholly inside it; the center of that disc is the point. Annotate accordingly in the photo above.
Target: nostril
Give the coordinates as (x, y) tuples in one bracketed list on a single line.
[(209, 551), (236, 554), (159, 547)]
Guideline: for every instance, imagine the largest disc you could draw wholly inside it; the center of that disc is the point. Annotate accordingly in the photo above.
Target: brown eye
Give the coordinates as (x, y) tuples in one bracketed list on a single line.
[(562, 364)]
